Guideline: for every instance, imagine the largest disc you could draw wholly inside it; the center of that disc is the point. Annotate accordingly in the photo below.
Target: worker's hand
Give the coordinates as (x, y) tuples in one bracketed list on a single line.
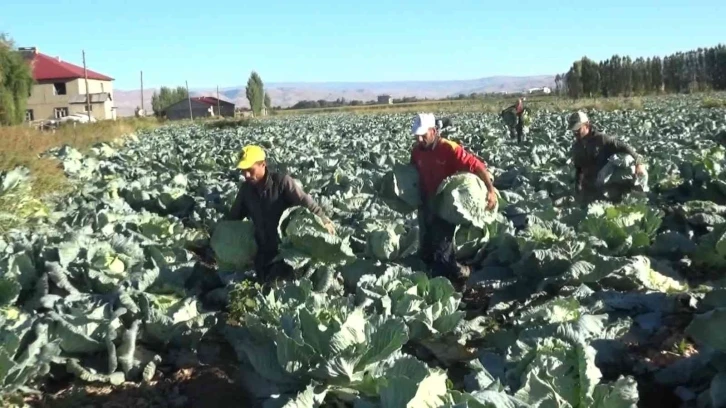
[(330, 227), (639, 170), (491, 199)]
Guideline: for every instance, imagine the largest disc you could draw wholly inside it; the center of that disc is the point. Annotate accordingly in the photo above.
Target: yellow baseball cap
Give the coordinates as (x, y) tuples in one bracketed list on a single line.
[(250, 155)]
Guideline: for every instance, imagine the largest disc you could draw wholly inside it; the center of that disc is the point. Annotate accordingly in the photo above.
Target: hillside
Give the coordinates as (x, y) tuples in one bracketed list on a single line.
[(287, 94)]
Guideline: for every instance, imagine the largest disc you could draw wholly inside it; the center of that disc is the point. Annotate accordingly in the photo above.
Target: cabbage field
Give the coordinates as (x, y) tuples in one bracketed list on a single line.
[(134, 275)]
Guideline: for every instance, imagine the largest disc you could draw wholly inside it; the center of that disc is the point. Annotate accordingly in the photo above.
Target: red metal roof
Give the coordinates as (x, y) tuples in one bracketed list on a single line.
[(209, 100), (47, 68)]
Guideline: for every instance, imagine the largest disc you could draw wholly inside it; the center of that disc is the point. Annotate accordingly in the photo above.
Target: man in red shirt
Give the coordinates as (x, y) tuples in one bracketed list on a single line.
[(437, 158)]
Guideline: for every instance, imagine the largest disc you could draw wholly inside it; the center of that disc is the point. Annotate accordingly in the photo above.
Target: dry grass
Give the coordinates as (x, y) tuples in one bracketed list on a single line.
[(491, 105), (717, 103), (451, 105), (601, 104), (226, 123), (22, 145)]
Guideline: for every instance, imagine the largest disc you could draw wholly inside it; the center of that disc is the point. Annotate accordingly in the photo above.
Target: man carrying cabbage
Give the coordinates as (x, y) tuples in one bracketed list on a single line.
[(263, 197), (591, 152), (436, 159)]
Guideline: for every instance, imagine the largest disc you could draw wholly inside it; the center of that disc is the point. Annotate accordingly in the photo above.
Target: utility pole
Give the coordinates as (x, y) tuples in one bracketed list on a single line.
[(88, 96), (142, 93), (219, 112), (189, 98)]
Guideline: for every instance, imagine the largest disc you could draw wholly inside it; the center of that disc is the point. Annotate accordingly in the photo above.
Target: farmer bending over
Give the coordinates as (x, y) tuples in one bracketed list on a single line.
[(437, 158), (263, 197), (590, 152), (513, 118)]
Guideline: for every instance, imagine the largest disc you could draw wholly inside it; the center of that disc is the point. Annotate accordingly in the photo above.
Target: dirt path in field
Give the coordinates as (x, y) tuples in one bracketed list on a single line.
[(206, 379), (197, 387)]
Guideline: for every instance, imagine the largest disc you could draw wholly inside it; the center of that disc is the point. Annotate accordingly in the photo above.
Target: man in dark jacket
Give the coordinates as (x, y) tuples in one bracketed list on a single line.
[(437, 158), (590, 152), (263, 197), (512, 117)]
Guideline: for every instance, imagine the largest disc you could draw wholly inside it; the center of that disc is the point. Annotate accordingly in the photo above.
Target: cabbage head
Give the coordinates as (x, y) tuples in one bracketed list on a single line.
[(234, 244), (526, 118), (399, 188), (392, 243), (618, 176), (461, 199)]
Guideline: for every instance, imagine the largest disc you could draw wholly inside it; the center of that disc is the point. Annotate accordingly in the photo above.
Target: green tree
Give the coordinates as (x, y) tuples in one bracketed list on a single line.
[(719, 68), (558, 84), (590, 73), (167, 97), (573, 79), (255, 93), (268, 101), (606, 78), (656, 75), (16, 82), (563, 85), (626, 76), (621, 75), (639, 75), (701, 69)]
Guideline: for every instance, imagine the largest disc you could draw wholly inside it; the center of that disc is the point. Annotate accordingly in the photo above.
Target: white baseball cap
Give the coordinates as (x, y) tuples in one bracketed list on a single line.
[(422, 123), (576, 120)]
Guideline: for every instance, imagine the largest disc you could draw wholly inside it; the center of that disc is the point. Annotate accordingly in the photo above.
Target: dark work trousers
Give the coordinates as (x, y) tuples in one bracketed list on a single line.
[(591, 193), (268, 271), (520, 131), (437, 244), (517, 131)]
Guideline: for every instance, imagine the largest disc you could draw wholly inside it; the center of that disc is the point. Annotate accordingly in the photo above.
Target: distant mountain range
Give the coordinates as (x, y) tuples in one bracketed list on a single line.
[(287, 94)]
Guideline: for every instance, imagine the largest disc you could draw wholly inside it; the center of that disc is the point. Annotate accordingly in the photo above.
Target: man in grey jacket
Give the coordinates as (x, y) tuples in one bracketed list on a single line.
[(590, 153)]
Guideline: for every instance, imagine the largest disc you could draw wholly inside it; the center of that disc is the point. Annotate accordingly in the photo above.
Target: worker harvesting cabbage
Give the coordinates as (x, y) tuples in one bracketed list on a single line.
[(263, 198), (436, 159), (516, 118), (592, 151)]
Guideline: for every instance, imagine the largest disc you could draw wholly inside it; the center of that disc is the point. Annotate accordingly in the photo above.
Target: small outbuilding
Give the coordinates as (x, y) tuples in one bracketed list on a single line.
[(202, 107), (385, 99)]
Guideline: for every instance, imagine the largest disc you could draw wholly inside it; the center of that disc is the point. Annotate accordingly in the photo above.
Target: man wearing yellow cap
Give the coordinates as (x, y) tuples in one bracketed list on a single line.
[(262, 198)]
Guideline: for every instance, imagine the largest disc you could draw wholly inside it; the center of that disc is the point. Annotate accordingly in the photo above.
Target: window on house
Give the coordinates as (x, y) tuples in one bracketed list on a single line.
[(59, 88), (29, 117), (60, 112)]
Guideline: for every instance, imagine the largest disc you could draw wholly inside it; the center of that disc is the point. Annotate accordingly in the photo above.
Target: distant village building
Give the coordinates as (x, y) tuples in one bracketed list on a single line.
[(202, 106), (246, 112), (385, 99), (60, 89), (243, 112), (539, 91)]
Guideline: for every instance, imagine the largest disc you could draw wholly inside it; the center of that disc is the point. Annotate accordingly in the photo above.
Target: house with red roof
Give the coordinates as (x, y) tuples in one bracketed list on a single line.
[(201, 106), (60, 89)]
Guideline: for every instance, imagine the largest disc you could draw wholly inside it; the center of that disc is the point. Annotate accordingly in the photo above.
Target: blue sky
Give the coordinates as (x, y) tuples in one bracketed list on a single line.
[(219, 42)]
